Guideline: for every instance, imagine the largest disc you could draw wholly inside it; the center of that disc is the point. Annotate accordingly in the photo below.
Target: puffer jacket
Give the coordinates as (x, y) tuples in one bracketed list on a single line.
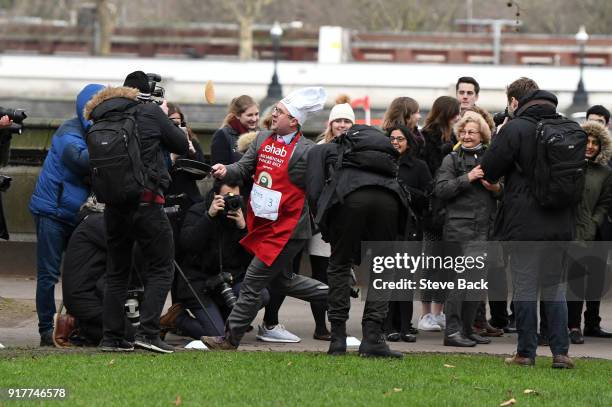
[(597, 196), (61, 188), (470, 208), (326, 188), (520, 216), (158, 135)]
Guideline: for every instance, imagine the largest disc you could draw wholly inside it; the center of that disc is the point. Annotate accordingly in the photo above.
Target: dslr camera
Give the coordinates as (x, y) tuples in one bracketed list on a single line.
[(221, 284), (17, 116), (232, 203), (499, 117)]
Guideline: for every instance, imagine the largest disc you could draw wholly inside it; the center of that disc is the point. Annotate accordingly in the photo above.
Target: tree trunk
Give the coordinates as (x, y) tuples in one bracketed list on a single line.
[(105, 26), (246, 38)]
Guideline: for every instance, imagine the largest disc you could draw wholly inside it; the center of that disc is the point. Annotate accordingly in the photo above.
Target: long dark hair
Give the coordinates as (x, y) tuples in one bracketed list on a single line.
[(444, 109), (174, 108), (412, 145), (399, 112)]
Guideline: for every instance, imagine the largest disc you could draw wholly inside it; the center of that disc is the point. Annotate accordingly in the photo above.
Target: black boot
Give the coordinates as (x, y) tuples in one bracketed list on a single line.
[(337, 346), (373, 343)]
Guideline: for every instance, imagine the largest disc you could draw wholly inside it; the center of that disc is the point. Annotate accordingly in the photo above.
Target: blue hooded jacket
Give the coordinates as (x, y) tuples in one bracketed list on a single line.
[(60, 189)]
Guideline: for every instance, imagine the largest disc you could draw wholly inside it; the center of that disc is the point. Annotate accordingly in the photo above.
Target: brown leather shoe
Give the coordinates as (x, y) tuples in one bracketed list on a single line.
[(63, 327), (218, 343), (168, 320), (562, 362), (486, 329), (323, 336), (519, 360)]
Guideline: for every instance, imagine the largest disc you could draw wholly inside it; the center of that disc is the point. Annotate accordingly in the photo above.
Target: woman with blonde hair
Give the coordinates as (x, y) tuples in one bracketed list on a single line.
[(471, 204), (242, 117)]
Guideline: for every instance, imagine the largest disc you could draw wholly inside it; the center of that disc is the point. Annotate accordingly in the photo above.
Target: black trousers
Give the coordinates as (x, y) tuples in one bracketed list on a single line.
[(367, 214), (148, 225), (586, 284)]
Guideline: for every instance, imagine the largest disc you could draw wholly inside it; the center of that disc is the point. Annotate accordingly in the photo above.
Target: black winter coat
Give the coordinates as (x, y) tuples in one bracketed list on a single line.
[(434, 150), (520, 217), (223, 147), (415, 176), (199, 245), (157, 133), (85, 267), (322, 198)]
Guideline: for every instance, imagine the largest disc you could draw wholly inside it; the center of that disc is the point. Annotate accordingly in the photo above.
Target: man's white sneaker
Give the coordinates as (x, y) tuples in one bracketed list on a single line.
[(428, 323), (276, 334), (440, 320)]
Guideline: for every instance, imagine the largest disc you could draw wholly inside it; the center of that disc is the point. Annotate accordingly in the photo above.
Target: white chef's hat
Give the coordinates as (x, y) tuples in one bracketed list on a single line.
[(302, 102)]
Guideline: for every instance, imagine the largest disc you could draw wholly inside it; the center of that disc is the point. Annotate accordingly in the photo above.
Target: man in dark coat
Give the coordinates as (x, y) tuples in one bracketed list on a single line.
[(143, 221), (521, 218), (357, 201)]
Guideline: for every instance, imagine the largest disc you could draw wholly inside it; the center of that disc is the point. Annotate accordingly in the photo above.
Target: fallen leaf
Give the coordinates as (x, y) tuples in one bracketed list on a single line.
[(178, 400), (446, 365), (112, 362), (289, 364), (530, 391), (508, 403), (397, 389)]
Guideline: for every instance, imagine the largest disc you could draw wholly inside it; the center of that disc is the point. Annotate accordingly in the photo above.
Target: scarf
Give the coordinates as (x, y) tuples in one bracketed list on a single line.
[(237, 126)]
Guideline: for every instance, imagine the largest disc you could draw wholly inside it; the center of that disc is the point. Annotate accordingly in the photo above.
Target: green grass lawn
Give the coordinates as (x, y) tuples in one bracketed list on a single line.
[(302, 379)]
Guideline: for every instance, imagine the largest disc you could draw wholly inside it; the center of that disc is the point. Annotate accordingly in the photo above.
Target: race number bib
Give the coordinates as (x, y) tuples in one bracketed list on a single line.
[(265, 202)]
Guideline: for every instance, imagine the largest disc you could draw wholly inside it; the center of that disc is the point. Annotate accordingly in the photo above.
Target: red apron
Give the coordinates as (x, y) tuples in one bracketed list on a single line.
[(275, 204)]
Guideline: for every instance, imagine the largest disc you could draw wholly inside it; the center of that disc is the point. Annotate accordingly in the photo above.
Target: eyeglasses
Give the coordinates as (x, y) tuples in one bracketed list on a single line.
[(399, 139), (469, 132), (277, 111)]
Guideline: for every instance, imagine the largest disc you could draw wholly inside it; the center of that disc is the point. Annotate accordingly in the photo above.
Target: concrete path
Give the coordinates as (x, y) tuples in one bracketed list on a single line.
[(297, 318)]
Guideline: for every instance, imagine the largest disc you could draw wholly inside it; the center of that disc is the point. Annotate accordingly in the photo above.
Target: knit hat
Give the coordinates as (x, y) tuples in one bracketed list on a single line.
[(140, 81), (342, 111), (302, 102)]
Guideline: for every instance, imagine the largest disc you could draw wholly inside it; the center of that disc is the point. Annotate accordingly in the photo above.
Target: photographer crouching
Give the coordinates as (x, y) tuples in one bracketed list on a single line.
[(213, 260)]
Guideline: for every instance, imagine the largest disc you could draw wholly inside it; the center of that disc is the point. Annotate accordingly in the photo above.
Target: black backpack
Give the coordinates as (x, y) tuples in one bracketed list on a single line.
[(117, 171), (560, 164), (366, 148)]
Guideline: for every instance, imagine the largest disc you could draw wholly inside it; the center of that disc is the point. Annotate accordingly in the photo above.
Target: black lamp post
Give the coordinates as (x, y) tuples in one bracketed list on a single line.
[(275, 90), (580, 101)]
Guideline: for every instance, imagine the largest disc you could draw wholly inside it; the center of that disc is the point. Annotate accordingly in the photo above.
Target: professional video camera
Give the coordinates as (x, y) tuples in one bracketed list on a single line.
[(17, 116), (499, 117), (232, 203), (156, 90), (221, 284)]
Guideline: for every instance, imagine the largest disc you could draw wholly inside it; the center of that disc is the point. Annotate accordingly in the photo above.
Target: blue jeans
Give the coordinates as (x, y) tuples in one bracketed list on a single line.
[(51, 241), (544, 270)]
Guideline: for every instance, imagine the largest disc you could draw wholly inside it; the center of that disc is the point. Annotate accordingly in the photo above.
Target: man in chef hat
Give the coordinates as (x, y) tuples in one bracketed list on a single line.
[(277, 215)]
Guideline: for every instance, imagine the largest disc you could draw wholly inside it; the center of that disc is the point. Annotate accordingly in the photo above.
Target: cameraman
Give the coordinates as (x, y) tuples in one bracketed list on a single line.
[(212, 255), (83, 277), (143, 221)]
